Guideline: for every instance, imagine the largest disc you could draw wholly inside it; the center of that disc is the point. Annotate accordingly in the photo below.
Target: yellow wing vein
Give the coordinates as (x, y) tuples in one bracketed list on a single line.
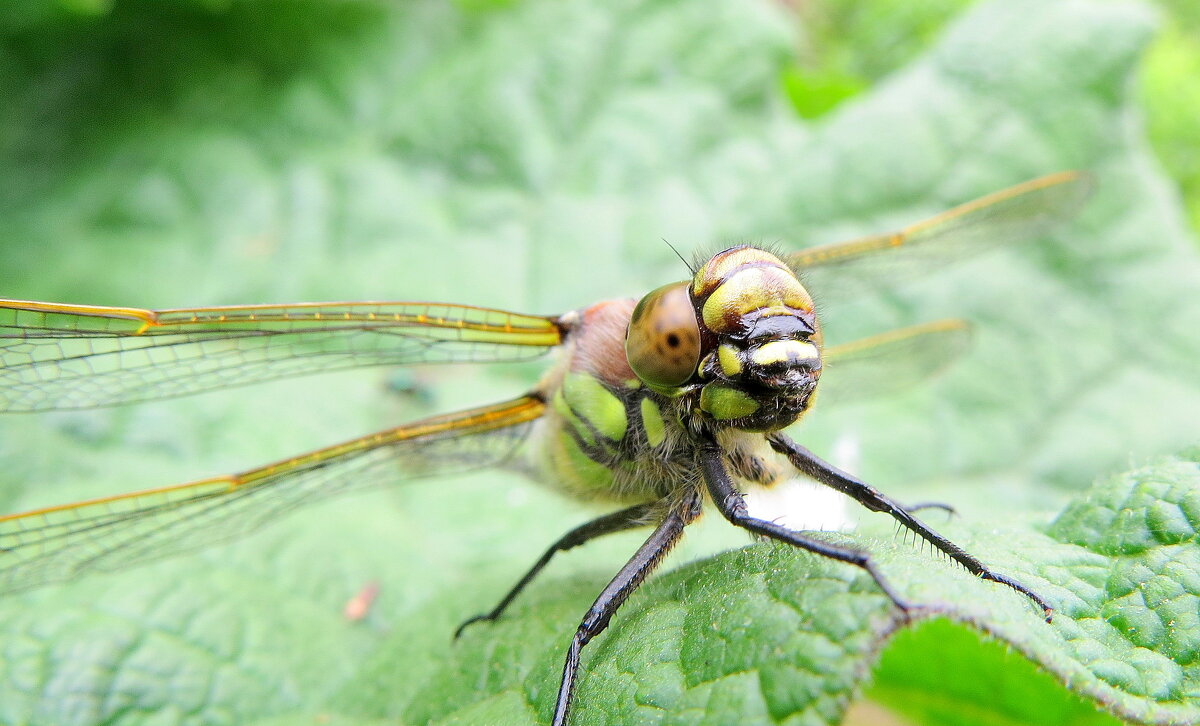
[(1020, 213), (59, 542), (55, 356)]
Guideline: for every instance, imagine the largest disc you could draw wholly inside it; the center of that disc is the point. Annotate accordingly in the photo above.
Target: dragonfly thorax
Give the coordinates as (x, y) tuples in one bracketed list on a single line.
[(741, 338)]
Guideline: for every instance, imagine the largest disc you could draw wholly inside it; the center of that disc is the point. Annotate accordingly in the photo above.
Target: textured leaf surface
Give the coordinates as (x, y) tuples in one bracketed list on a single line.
[(531, 156), (763, 633)]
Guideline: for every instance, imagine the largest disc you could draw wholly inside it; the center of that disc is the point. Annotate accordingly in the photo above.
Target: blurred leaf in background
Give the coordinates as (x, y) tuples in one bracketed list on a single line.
[(848, 46), (1170, 94), (533, 155)]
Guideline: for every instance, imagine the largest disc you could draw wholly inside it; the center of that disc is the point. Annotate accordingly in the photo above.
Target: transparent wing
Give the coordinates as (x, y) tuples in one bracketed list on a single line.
[(55, 356), (889, 362), (111, 533), (1022, 212)]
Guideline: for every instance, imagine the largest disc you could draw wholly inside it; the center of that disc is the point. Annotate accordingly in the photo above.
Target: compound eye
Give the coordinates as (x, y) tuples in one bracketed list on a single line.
[(663, 340)]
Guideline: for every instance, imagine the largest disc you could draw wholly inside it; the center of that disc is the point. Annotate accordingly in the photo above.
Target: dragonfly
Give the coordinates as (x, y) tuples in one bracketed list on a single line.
[(655, 407)]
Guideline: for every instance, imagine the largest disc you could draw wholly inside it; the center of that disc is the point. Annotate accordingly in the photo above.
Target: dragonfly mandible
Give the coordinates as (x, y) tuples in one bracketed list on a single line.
[(656, 406)]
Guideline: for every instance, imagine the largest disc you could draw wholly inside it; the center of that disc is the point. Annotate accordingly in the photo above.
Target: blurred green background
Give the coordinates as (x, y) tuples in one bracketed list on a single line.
[(533, 155)]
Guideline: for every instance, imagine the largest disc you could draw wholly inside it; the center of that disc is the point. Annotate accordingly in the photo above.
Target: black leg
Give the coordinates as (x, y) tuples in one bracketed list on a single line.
[(947, 508), (681, 513), (871, 498), (730, 503), (630, 518)]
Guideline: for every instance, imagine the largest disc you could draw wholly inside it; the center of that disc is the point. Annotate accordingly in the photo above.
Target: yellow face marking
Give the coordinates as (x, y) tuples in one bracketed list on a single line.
[(725, 263), (750, 289), (782, 351), (731, 365)]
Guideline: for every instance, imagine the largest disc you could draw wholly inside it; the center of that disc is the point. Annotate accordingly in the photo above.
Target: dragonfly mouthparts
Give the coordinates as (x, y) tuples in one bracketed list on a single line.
[(781, 363), (788, 381)]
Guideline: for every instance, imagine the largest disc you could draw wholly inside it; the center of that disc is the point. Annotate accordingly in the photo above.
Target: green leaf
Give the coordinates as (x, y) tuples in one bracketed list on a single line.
[(943, 672), (532, 156), (765, 633), (815, 94), (1170, 91)]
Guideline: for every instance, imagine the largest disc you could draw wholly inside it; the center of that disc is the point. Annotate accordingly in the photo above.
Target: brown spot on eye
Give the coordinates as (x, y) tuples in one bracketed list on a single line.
[(663, 340)]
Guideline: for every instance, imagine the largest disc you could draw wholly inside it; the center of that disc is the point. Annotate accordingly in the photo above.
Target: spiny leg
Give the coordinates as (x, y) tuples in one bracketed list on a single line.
[(681, 512), (871, 498), (619, 521), (730, 503)]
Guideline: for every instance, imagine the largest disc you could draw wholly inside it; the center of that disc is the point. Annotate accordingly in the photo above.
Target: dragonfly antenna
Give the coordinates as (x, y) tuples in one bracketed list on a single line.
[(685, 262)]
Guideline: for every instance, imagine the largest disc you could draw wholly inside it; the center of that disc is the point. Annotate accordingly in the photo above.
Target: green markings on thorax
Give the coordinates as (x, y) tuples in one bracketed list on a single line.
[(610, 441), (652, 421), (608, 424), (588, 402)]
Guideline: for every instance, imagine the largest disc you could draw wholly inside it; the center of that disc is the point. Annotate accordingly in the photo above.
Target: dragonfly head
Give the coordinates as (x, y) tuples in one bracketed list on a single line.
[(742, 334)]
